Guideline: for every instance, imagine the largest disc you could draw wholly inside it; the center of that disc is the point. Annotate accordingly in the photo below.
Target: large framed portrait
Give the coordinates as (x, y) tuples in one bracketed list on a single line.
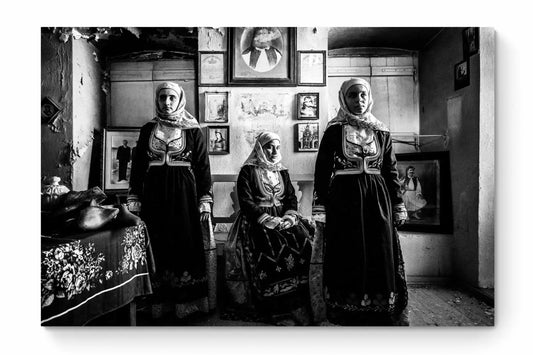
[(307, 106), (216, 107), (306, 137), (261, 55), (312, 68), (212, 69), (426, 191), (119, 148), (218, 140)]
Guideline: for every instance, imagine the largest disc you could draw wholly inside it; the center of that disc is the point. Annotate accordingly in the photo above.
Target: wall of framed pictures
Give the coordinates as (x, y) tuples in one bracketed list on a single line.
[(285, 94)]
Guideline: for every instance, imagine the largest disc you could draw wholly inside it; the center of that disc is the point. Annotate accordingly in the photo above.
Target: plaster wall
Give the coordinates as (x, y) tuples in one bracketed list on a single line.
[(88, 113), (456, 113), (56, 83)]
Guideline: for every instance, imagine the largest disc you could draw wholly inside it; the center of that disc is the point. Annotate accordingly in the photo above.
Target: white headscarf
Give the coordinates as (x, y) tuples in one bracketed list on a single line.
[(180, 118), (364, 120), (258, 158)]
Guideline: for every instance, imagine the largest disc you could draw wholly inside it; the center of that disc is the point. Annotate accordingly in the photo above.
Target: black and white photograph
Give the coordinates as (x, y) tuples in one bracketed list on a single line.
[(307, 137), (312, 68), (354, 194), (119, 149), (218, 139), (425, 189), (307, 106), (216, 107), (261, 55), (462, 74)]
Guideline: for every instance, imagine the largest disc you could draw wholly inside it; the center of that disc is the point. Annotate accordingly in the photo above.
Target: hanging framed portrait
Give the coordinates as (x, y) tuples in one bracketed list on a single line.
[(307, 106), (218, 140), (261, 55), (119, 150), (216, 107), (312, 68), (426, 191), (212, 69), (306, 137), (462, 74)]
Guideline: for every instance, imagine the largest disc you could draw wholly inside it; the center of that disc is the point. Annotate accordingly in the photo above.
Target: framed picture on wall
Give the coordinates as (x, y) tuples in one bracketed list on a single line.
[(470, 41), (307, 106), (212, 69), (218, 139), (426, 191), (216, 107), (119, 148), (312, 68), (306, 137), (462, 74), (261, 55)]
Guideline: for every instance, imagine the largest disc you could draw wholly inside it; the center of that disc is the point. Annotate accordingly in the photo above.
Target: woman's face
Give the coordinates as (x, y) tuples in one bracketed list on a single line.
[(272, 150), (410, 173), (167, 100), (357, 99)]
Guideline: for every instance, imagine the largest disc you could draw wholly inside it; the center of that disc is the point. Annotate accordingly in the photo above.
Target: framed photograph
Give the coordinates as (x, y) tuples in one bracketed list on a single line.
[(49, 110), (261, 55), (212, 69), (312, 68), (462, 74), (306, 137), (119, 149), (216, 107), (470, 41), (426, 191), (307, 106), (218, 139)]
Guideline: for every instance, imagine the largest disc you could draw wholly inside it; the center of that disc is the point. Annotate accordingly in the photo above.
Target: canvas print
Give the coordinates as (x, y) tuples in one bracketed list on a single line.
[(226, 197)]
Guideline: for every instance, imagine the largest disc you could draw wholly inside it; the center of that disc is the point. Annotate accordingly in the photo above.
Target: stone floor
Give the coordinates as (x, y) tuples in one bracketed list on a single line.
[(429, 305)]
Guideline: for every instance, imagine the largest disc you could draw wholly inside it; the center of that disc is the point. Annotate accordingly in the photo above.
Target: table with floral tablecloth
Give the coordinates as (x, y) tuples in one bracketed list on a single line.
[(86, 275)]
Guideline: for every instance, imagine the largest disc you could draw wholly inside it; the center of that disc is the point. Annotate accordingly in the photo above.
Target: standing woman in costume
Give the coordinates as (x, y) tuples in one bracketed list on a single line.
[(358, 200), (172, 181), (268, 248)]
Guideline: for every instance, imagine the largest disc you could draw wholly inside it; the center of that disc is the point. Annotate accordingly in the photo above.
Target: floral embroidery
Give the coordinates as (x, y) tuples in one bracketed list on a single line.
[(68, 270), (278, 269), (262, 275), (134, 249), (353, 303), (108, 274), (290, 262)]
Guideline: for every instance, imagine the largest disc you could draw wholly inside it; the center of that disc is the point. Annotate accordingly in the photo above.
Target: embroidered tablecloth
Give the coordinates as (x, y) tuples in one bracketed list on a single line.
[(86, 275)]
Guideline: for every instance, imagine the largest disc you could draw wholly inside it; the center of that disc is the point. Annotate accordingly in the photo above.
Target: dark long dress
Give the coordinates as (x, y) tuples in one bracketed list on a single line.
[(170, 179), (363, 265), (267, 269)]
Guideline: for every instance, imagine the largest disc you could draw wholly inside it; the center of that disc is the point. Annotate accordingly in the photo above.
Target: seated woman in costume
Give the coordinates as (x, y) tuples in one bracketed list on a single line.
[(268, 248)]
